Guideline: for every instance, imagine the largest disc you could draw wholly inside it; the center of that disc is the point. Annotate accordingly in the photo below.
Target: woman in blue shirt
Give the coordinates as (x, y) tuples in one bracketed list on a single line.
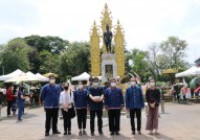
[(80, 100)]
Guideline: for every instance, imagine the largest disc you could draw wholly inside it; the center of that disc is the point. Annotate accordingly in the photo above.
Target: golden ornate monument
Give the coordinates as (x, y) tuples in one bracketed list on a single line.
[(96, 50)]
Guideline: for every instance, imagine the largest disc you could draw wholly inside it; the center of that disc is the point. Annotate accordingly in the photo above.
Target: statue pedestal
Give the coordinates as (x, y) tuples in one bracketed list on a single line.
[(108, 67)]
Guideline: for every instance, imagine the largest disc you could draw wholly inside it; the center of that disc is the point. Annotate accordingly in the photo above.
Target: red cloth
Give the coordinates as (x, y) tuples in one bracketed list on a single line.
[(9, 95), (196, 90)]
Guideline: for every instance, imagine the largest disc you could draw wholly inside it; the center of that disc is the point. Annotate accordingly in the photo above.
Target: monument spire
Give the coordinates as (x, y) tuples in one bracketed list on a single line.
[(95, 50), (119, 49)]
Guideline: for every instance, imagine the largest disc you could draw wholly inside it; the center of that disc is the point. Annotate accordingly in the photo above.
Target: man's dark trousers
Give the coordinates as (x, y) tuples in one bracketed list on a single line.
[(99, 114), (114, 120), (51, 116), (136, 112)]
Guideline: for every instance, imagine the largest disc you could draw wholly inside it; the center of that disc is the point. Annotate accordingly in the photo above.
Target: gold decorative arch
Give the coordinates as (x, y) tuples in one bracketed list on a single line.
[(95, 44)]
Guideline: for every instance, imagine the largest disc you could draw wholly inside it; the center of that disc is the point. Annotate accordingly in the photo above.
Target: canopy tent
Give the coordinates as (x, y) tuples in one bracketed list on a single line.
[(193, 71), (169, 71), (10, 75), (82, 77), (41, 77), (22, 78)]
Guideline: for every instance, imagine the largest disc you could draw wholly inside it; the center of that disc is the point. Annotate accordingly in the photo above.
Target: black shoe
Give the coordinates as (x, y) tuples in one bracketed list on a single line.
[(65, 133), (117, 133), (139, 133), (112, 133), (46, 134), (92, 134), (101, 132), (80, 133), (69, 133), (84, 132), (19, 119), (133, 133), (57, 132)]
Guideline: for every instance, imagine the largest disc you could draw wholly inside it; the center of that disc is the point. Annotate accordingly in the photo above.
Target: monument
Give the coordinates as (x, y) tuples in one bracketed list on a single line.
[(107, 59)]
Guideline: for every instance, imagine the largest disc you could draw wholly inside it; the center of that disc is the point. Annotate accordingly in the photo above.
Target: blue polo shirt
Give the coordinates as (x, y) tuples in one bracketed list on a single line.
[(114, 98), (134, 98), (50, 94), (95, 92), (80, 98)]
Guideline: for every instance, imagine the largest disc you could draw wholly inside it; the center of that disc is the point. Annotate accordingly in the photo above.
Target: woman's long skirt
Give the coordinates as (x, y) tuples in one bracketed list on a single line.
[(152, 119)]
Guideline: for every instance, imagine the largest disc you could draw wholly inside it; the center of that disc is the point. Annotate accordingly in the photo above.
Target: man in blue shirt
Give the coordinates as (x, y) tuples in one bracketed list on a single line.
[(134, 104), (50, 95), (114, 102), (96, 97)]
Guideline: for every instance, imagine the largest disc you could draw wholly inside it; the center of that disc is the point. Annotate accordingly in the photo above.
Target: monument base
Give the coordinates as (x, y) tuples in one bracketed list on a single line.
[(108, 67)]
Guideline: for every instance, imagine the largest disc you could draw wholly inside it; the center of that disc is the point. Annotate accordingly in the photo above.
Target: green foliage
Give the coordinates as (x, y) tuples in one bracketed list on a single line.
[(48, 62), (50, 45), (75, 59), (14, 55), (173, 52)]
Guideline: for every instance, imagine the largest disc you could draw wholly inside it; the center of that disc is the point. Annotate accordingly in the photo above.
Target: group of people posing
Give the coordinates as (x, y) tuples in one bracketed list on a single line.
[(94, 99)]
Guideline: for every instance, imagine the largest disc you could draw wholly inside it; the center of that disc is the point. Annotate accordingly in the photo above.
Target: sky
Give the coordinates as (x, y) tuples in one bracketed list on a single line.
[(144, 21)]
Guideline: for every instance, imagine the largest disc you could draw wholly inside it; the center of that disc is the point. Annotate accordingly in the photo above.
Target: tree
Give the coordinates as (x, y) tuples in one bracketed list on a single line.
[(153, 57), (75, 59), (50, 45), (48, 62), (140, 64), (14, 55), (174, 51)]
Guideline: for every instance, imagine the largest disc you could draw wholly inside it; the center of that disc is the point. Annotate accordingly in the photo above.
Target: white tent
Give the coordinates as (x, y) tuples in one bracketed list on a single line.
[(42, 78), (22, 78), (193, 71), (83, 77), (13, 74)]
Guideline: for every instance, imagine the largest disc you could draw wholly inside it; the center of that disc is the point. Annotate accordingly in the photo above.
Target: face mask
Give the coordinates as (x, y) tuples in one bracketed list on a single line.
[(133, 83), (66, 88), (95, 84), (52, 81), (152, 84), (80, 86), (113, 84)]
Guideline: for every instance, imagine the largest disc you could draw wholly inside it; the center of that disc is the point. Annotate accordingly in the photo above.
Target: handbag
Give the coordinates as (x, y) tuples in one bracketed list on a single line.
[(71, 111)]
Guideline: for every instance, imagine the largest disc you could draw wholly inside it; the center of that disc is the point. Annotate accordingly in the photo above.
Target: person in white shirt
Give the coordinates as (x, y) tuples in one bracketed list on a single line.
[(65, 103)]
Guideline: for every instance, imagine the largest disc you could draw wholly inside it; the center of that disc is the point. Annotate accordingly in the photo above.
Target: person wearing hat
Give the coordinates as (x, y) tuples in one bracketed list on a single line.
[(114, 102), (134, 104), (50, 94)]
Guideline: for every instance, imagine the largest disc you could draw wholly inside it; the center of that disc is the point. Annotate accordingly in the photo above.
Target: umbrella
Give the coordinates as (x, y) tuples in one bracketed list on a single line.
[(21, 78), (170, 71), (50, 73)]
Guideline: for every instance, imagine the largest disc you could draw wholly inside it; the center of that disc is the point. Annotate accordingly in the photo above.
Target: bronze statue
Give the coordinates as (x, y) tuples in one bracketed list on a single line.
[(107, 36)]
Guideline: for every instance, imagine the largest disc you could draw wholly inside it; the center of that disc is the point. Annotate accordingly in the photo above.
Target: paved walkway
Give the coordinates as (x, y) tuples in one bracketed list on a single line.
[(181, 122)]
